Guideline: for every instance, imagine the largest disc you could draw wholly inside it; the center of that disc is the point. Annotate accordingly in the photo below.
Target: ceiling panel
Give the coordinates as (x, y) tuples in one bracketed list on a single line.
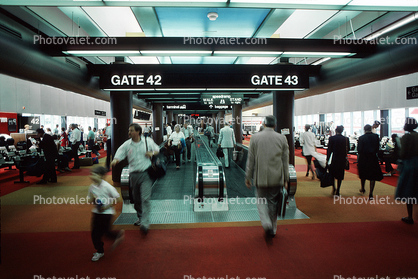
[(303, 22), (79, 16), (59, 20), (193, 22), (114, 21)]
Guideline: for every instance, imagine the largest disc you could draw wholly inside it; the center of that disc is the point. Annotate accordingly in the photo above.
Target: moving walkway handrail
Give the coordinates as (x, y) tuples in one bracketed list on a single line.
[(211, 161)]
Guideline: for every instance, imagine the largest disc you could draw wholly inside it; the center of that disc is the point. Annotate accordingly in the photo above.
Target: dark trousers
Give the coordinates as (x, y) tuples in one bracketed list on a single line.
[(109, 152), (91, 147), (176, 154), (100, 225), (189, 149), (63, 161), (49, 172), (74, 148), (210, 141)]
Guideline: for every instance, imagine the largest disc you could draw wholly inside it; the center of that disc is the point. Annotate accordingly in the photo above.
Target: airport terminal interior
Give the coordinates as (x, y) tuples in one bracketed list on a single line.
[(98, 66)]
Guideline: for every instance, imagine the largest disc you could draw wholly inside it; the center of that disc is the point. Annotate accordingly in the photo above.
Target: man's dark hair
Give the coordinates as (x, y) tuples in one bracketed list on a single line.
[(367, 128), (270, 121), (137, 127), (339, 129), (410, 124), (40, 131), (99, 170)]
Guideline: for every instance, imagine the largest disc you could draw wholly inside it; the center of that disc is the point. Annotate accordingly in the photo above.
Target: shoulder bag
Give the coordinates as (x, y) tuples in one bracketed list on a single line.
[(158, 166)]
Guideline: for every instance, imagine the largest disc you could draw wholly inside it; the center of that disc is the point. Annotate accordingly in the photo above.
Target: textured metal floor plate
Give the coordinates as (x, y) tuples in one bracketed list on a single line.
[(180, 212)]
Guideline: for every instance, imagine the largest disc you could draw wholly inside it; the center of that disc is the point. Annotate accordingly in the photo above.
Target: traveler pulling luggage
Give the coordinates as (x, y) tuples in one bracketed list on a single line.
[(321, 172)]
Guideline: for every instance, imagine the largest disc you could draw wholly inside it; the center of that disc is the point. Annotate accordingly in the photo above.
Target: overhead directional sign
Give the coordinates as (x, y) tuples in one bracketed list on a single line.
[(412, 92), (166, 77), (196, 107), (222, 99)]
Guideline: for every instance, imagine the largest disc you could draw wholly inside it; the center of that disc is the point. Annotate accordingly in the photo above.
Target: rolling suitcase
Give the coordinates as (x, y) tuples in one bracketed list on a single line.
[(86, 161), (282, 202)]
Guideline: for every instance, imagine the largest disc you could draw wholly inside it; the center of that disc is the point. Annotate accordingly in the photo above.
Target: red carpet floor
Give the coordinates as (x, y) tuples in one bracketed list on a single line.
[(8, 177), (298, 251), (390, 180)]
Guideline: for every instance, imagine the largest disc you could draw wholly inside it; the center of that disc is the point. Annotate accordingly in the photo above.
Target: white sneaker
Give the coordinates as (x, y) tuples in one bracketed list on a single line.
[(137, 223), (97, 256)]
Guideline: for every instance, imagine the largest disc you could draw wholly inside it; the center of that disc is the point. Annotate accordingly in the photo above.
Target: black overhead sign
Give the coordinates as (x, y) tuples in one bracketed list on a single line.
[(12, 124), (99, 112), (161, 77), (196, 107), (141, 115), (412, 92), (222, 99)]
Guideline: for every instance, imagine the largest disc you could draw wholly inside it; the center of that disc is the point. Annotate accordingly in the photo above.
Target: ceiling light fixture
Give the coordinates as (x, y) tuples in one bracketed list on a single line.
[(212, 16)]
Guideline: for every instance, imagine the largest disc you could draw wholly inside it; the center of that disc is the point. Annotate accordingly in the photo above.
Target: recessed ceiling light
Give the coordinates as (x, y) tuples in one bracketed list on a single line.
[(212, 16)]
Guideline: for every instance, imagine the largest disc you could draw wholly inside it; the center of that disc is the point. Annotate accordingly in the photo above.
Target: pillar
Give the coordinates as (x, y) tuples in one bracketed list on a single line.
[(121, 118), (221, 120), (237, 122), (384, 123), (157, 123), (215, 128), (176, 118), (169, 116), (283, 110)]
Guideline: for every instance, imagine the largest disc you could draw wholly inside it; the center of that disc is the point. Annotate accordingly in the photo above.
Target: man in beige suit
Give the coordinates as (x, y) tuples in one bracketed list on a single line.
[(268, 168)]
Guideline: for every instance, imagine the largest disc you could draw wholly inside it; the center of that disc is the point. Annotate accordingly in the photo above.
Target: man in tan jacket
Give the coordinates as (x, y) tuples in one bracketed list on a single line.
[(268, 168)]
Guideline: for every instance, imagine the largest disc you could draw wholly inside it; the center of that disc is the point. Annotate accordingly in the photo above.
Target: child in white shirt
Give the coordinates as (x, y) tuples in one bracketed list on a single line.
[(104, 196)]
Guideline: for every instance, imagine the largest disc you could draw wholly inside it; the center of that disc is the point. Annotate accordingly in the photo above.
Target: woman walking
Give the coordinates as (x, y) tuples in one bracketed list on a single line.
[(337, 151), (368, 162), (307, 140), (407, 189)]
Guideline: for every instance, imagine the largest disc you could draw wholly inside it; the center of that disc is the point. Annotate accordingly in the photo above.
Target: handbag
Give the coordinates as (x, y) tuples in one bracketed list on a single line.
[(347, 164), (327, 180), (158, 166), (219, 152), (206, 133)]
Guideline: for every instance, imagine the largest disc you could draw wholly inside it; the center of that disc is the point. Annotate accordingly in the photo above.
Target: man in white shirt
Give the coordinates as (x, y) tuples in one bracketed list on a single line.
[(188, 134), (169, 131), (75, 143), (307, 140), (209, 132), (56, 130), (227, 142), (138, 150), (175, 143)]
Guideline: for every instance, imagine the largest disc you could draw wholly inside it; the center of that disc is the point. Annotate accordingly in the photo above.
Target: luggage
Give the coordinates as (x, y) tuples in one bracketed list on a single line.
[(95, 160), (282, 202), (326, 178), (235, 155), (86, 161), (21, 145), (158, 166), (219, 152)]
